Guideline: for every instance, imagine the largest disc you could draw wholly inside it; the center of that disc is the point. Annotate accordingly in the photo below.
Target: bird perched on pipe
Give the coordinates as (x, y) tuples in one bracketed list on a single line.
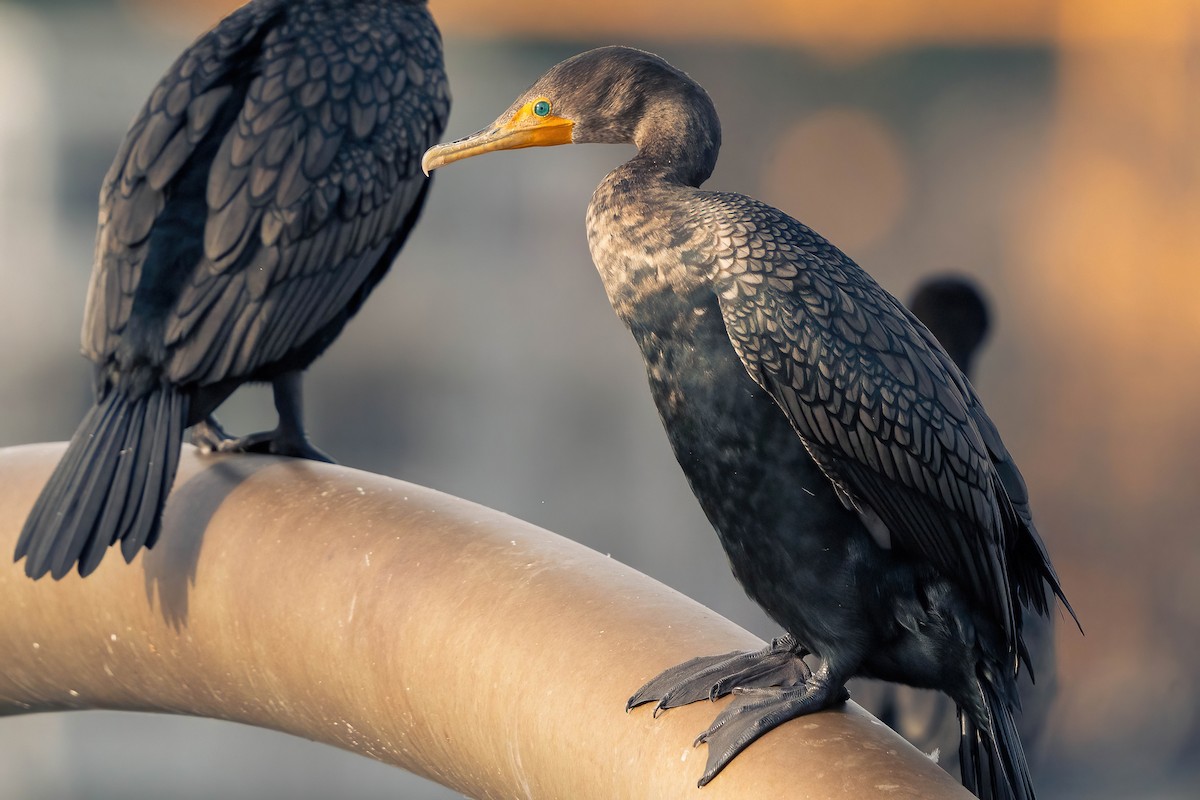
[(862, 494), (259, 196)]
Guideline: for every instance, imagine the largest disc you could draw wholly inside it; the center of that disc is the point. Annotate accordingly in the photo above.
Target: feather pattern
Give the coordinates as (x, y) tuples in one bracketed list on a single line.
[(880, 407), (259, 196), (314, 172)]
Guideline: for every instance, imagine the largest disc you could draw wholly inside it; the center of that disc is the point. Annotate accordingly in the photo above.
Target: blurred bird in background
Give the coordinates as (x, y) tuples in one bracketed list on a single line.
[(864, 498), (954, 310), (260, 195)]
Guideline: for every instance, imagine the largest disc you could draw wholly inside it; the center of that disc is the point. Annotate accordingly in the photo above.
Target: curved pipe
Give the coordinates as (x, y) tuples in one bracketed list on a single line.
[(409, 626)]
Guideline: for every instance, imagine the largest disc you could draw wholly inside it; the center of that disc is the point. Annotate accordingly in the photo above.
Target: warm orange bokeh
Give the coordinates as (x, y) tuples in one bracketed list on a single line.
[(841, 171), (815, 23), (842, 22)]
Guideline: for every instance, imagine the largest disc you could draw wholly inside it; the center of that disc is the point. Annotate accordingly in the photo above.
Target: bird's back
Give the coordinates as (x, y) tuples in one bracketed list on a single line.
[(262, 190), (258, 197)]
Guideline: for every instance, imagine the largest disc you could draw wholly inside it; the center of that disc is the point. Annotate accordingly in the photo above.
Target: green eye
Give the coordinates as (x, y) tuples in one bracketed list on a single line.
[(541, 108)]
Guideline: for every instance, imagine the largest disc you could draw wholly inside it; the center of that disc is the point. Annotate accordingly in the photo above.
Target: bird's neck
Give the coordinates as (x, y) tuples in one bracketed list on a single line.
[(678, 139), (632, 222), (664, 166)]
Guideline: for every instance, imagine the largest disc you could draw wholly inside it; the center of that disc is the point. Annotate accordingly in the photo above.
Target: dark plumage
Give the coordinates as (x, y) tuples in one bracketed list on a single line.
[(954, 310), (863, 496), (259, 196)]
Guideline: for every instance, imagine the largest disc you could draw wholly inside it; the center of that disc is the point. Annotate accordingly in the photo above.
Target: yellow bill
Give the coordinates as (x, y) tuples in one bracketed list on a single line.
[(533, 125)]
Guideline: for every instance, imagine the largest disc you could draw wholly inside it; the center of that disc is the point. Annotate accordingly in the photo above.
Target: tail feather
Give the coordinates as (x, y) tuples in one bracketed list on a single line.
[(110, 485), (991, 758), (119, 500), (62, 474), (126, 491), (165, 436), (53, 510), (140, 441), (94, 472), (134, 536)]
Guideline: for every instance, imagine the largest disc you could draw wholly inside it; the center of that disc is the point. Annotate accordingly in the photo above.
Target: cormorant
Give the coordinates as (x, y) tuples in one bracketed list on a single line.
[(953, 309), (259, 196), (862, 494)]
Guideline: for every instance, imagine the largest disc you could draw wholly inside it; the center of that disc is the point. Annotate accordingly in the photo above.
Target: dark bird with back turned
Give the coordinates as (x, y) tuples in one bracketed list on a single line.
[(953, 309), (259, 196), (862, 494)]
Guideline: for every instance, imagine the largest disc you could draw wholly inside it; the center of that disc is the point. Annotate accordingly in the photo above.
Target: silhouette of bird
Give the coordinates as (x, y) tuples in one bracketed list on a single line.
[(260, 195), (952, 307), (862, 494)]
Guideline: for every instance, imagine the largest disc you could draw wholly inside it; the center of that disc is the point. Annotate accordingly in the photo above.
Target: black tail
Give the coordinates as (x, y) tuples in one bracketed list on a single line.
[(110, 485), (992, 759)]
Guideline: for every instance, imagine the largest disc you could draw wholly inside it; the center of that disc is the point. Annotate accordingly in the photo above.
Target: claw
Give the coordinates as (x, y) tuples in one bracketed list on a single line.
[(210, 437), (770, 687), (685, 683), (711, 677), (288, 438)]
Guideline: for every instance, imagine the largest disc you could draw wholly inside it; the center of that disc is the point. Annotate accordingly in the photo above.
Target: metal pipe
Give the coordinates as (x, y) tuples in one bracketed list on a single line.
[(409, 626)]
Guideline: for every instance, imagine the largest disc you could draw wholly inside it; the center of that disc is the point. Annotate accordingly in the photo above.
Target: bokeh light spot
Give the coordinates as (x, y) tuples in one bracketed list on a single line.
[(840, 171)]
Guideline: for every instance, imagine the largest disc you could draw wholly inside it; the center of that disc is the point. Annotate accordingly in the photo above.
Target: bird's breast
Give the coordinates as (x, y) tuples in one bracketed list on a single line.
[(634, 243)]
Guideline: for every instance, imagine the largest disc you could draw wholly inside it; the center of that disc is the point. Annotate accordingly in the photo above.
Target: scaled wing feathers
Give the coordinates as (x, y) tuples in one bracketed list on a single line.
[(301, 138), (878, 404)]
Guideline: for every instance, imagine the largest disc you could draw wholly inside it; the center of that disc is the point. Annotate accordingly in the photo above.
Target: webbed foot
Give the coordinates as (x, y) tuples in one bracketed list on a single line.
[(210, 437), (288, 439), (753, 712), (710, 677)]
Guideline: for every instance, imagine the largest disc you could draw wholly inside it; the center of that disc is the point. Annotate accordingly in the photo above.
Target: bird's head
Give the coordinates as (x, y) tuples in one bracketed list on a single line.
[(955, 311), (612, 94)]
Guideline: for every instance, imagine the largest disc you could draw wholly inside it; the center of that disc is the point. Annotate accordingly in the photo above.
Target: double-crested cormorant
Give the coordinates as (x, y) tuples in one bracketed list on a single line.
[(262, 192), (863, 496), (954, 310)]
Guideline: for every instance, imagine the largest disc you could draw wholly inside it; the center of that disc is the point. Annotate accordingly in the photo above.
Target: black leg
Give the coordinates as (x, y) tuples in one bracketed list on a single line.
[(288, 438), (289, 402)]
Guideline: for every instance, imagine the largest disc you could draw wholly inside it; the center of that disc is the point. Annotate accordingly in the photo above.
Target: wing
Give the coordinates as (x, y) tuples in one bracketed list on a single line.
[(1031, 567), (878, 404), (197, 95), (296, 205)]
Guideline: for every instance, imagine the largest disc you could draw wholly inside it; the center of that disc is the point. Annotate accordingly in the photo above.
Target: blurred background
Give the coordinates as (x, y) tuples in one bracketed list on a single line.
[(1050, 148)]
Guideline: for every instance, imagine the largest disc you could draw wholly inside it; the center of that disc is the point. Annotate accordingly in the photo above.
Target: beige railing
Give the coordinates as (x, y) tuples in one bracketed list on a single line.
[(409, 626)]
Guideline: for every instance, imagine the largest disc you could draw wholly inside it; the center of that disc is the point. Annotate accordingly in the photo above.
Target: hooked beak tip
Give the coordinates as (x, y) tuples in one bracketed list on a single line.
[(427, 164)]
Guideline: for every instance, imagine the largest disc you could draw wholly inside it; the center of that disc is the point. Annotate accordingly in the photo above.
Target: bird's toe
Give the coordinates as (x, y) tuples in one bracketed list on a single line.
[(208, 436), (755, 711), (711, 677), (684, 683), (275, 443)]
